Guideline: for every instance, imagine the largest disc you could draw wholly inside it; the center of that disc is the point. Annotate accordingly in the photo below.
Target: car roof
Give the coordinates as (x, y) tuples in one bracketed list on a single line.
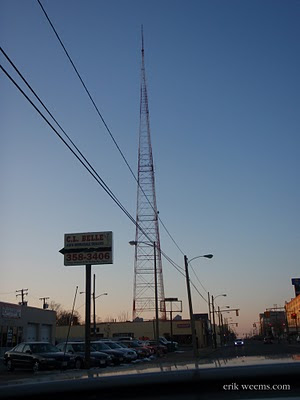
[(35, 343)]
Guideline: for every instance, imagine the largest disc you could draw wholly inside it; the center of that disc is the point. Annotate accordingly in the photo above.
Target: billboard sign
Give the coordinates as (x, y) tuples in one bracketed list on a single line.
[(296, 283), (88, 248)]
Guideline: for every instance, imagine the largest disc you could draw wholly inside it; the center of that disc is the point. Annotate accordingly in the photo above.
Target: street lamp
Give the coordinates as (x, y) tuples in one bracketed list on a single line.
[(213, 311), (134, 243), (186, 264), (94, 305)]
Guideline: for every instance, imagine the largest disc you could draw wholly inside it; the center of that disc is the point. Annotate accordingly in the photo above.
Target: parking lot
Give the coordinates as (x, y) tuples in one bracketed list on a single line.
[(22, 375)]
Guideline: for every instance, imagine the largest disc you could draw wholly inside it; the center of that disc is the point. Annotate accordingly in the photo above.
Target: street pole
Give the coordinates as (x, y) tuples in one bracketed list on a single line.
[(209, 313), (94, 307), (171, 322), (195, 351), (222, 329), (214, 323), (88, 268), (219, 314), (156, 296)]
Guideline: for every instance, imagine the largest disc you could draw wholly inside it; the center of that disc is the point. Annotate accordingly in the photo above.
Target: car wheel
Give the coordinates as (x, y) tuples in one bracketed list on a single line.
[(9, 365), (36, 366), (78, 363)]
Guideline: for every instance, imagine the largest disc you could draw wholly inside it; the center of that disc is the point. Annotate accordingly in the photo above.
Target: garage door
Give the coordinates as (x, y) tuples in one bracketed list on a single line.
[(31, 333), (46, 333)]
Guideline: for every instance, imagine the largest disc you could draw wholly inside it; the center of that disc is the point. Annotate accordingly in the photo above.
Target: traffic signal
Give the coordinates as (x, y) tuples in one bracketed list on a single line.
[(294, 315)]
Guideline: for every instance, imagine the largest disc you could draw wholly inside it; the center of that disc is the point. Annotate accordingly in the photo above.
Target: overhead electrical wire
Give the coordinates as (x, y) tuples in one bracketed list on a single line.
[(198, 278), (102, 119), (94, 174), (108, 130)]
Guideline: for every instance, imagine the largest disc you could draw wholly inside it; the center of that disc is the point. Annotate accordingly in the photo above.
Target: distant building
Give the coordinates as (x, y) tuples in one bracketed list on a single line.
[(181, 331), (292, 313), (20, 323), (272, 323)]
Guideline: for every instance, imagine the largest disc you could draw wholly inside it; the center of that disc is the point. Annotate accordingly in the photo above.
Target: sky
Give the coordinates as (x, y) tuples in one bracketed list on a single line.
[(223, 87)]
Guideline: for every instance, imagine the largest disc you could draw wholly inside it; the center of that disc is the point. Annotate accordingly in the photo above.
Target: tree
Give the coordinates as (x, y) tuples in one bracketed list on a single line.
[(123, 316), (63, 316)]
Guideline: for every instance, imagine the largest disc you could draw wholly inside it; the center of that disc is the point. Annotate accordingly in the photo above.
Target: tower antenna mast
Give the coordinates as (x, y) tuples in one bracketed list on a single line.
[(148, 286)]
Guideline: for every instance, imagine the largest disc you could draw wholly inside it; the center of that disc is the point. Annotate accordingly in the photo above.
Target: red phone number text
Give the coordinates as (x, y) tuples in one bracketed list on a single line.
[(95, 256)]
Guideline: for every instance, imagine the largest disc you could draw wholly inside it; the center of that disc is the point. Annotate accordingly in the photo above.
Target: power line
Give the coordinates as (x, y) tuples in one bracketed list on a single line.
[(198, 278), (102, 119), (94, 174)]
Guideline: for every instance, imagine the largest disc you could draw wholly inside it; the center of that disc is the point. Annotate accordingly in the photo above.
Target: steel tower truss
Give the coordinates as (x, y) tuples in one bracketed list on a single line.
[(147, 218)]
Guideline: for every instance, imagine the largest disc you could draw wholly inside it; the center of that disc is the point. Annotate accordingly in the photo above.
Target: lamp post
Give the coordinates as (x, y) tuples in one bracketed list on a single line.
[(213, 311), (186, 264), (94, 306), (134, 243)]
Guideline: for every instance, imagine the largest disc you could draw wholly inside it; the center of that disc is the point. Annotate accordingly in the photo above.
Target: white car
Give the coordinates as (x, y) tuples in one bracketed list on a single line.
[(239, 342)]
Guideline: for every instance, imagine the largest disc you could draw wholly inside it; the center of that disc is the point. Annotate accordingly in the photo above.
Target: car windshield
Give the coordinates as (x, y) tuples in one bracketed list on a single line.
[(113, 345), (122, 345), (43, 348), (80, 347), (149, 169), (100, 346)]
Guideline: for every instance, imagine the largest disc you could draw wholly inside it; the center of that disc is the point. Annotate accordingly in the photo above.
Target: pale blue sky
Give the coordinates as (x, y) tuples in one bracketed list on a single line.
[(223, 83)]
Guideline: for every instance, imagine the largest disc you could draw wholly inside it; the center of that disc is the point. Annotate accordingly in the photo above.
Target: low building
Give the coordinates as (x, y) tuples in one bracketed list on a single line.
[(141, 330), (293, 315), (273, 323), (19, 323)]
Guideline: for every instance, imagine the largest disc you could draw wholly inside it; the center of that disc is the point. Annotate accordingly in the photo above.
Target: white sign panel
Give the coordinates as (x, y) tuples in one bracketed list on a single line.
[(11, 312), (88, 248)]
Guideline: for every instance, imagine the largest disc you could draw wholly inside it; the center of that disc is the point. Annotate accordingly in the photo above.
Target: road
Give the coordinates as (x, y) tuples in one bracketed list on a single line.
[(256, 348)]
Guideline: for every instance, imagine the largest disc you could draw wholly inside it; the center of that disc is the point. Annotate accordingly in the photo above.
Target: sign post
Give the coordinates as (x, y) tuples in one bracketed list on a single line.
[(91, 248)]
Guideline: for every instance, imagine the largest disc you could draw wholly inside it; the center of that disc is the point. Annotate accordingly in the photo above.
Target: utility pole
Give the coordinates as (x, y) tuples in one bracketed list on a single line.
[(88, 315), (209, 313), (45, 305), (214, 322), (24, 292), (190, 307), (94, 307), (156, 296)]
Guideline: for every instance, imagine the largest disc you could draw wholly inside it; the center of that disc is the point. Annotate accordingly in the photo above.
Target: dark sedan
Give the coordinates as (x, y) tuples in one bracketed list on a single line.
[(37, 356), (77, 349), (129, 354), (117, 356)]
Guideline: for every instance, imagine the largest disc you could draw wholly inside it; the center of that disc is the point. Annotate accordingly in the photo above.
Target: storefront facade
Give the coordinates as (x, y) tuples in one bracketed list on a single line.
[(19, 323)]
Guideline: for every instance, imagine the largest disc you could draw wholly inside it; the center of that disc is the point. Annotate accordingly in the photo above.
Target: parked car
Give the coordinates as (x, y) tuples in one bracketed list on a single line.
[(158, 349), (37, 356), (77, 349), (239, 342), (141, 351), (129, 354), (117, 355), (171, 345)]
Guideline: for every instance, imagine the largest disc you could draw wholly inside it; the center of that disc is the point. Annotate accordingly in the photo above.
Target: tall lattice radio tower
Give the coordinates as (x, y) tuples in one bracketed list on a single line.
[(147, 249)]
